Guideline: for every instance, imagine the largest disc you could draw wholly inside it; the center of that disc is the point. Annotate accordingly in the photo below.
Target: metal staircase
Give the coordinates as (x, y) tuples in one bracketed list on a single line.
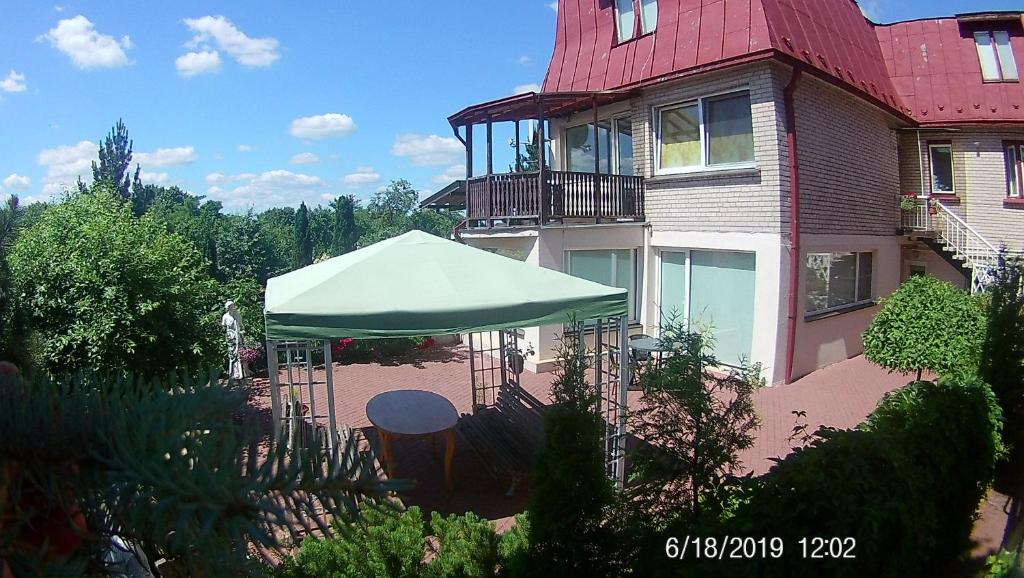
[(931, 219)]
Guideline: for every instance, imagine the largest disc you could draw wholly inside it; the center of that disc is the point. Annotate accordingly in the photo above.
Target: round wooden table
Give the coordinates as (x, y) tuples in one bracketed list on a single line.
[(413, 413)]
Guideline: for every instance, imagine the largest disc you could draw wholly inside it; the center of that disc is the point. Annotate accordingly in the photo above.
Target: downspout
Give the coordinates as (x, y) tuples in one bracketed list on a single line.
[(794, 218), (461, 225)]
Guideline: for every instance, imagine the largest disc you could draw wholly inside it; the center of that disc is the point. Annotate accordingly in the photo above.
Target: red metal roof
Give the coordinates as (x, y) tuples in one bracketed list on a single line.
[(832, 36), (934, 65)]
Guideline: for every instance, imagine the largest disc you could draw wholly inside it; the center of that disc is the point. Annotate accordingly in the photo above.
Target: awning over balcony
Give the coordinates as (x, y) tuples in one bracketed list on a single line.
[(452, 197), (532, 105)]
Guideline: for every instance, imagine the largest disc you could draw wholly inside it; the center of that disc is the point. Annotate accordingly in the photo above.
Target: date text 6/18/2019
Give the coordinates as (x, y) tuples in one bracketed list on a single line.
[(747, 548)]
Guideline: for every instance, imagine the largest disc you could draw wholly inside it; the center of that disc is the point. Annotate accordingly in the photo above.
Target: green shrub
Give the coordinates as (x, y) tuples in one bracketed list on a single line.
[(467, 547), (927, 324), (107, 291), (384, 542), (514, 548), (1005, 564), (905, 485)]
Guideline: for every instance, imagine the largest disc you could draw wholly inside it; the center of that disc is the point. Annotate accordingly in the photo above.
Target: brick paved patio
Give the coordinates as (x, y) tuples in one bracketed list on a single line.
[(839, 396)]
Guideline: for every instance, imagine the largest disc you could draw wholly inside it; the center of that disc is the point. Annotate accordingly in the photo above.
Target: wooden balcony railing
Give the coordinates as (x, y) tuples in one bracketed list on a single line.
[(520, 197)]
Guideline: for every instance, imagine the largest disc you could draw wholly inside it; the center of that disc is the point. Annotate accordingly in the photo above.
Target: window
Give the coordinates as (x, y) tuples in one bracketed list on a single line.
[(996, 55), (709, 133), (941, 160), (838, 280), (616, 147), (648, 15), (625, 20), (615, 268), (1014, 153)]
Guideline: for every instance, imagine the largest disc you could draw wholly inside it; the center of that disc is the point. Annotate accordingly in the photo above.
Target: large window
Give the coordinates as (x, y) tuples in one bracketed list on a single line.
[(615, 268), (715, 132), (713, 291), (1014, 152), (941, 159), (838, 280), (615, 140), (626, 18), (996, 55)]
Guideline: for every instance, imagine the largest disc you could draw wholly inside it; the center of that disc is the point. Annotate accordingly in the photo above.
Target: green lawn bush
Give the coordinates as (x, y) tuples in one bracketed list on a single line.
[(905, 485), (928, 325)]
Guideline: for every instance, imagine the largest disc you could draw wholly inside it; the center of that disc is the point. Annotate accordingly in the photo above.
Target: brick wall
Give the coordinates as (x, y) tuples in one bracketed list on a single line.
[(979, 178), (849, 170), (717, 201)]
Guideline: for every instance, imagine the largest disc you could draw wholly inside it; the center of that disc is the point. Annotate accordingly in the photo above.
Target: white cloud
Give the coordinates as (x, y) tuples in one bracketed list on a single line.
[(524, 88), (304, 159), (871, 9), (362, 176), (330, 125), (196, 63), (15, 82), (523, 60), (428, 150), (64, 164), (77, 37), (454, 173), (219, 31), (553, 5), (154, 178), (166, 157), (244, 148), (17, 182), (267, 189)]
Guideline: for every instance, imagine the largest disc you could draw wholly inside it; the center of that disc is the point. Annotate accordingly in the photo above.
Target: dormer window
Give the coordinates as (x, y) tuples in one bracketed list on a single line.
[(996, 55), (626, 21)]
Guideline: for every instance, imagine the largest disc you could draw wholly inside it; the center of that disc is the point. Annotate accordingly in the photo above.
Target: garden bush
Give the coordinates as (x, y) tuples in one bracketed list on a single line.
[(105, 290), (905, 486), (927, 324)]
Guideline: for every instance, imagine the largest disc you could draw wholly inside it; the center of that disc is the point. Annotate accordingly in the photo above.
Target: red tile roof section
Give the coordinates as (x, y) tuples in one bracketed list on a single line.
[(927, 70), (934, 65)]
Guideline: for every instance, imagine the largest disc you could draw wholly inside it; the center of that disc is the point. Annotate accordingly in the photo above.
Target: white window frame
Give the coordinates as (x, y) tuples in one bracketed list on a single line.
[(618, 31), (931, 167), (646, 27), (613, 121), (637, 272), (704, 142), (1003, 61), (858, 299), (1016, 168)]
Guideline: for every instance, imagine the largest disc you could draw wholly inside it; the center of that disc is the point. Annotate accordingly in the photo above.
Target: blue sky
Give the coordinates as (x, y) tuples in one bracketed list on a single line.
[(262, 104)]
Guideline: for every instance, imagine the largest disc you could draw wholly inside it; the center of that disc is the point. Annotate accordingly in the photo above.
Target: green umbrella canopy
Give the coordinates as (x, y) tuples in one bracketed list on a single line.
[(417, 284)]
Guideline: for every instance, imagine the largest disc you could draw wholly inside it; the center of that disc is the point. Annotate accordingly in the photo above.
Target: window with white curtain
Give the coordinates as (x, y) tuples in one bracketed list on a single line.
[(995, 52), (940, 157)]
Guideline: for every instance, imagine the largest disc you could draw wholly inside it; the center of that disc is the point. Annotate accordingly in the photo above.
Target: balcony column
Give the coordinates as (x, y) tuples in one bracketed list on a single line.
[(490, 170), (597, 162), (519, 164), (541, 173)]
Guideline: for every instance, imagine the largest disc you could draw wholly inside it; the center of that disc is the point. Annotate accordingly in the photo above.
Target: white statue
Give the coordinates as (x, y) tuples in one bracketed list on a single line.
[(232, 324)]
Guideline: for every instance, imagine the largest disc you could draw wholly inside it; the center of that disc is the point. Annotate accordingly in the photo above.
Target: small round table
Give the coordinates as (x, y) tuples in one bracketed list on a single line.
[(413, 413)]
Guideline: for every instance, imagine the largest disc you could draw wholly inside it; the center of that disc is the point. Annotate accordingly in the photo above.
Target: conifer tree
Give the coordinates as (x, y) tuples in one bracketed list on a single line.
[(345, 234), (115, 159), (303, 241)]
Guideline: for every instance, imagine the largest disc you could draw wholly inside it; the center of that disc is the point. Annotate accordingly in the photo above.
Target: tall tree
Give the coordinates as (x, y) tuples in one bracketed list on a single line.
[(303, 241), (345, 233), (12, 319), (115, 158)]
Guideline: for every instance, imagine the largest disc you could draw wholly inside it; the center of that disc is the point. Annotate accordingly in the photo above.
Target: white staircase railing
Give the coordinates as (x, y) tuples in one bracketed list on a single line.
[(965, 244)]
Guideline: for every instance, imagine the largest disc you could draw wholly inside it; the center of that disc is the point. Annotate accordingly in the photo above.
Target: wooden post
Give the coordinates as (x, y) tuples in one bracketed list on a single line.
[(469, 151), (490, 147), (597, 162), (541, 177), (519, 163)]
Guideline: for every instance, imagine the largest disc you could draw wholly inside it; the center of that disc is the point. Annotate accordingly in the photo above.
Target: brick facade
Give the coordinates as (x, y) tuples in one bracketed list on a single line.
[(849, 173), (979, 178), (744, 200)]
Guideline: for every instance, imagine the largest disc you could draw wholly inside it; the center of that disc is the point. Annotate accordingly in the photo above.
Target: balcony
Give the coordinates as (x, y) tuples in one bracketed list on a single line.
[(526, 198)]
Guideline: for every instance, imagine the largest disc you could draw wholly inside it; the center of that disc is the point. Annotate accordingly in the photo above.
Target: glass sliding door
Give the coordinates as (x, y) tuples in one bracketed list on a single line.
[(615, 268), (722, 301), (673, 287)]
